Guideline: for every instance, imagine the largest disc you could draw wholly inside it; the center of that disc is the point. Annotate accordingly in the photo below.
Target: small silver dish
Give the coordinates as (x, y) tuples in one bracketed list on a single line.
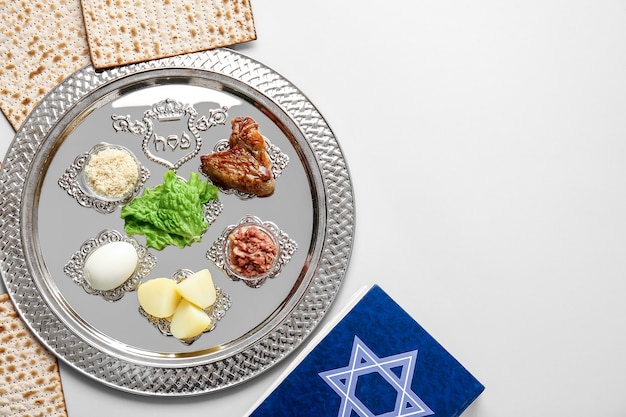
[(74, 180), (75, 266), (212, 209), (216, 311), (221, 252)]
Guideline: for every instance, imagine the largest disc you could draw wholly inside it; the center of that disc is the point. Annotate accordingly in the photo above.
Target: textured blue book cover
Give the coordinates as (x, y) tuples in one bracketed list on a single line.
[(376, 361)]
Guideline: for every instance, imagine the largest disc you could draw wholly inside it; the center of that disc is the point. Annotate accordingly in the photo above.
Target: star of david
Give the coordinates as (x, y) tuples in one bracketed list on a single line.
[(363, 362)]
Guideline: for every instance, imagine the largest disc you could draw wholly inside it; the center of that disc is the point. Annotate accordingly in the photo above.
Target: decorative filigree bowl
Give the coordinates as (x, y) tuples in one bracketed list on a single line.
[(212, 209), (74, 181), (216, 311), (220, 252), (75, 266)]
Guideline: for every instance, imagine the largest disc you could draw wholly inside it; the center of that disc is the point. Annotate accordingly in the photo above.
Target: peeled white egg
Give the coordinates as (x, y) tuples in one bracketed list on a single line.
[(110, 265)]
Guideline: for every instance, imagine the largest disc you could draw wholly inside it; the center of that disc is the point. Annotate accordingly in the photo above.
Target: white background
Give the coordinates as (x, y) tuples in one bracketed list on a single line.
[(486, 141)]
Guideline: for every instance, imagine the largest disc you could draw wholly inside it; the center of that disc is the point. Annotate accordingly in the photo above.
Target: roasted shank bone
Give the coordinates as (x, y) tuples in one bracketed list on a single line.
[(245, 166)]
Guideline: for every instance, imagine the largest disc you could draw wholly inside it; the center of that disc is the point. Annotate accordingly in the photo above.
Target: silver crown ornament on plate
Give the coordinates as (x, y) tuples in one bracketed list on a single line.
[(182, 124)]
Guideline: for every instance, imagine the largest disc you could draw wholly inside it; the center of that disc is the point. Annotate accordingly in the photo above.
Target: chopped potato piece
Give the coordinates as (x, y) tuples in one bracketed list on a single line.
[(198, 289), (189, 321), (159, 297)]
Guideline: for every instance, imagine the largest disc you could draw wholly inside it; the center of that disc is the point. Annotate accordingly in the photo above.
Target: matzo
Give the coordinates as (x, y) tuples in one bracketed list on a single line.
[(41, 43), (122, 33), (30, 383)]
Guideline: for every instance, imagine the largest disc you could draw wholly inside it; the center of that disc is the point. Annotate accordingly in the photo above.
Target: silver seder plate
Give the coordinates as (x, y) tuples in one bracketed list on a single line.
[(168, 113)]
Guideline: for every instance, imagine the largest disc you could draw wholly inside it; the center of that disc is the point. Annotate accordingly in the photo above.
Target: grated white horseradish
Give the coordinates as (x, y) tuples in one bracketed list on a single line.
[(112, 172)]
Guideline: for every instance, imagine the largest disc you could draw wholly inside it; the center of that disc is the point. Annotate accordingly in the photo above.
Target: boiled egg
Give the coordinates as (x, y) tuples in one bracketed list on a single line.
[(110, 265)]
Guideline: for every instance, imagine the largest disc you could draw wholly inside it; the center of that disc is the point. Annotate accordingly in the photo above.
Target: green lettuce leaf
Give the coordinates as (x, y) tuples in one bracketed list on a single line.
[(171, 213)]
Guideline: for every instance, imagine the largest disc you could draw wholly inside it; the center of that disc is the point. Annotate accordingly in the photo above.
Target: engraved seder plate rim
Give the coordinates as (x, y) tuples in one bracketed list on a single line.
[(253, 354)]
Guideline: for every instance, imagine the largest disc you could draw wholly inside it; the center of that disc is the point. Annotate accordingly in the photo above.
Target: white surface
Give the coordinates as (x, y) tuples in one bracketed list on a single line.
[(487, 145)]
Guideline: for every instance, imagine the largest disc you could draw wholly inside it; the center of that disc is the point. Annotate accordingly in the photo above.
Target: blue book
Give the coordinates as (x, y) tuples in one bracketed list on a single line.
[(376, 360)]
